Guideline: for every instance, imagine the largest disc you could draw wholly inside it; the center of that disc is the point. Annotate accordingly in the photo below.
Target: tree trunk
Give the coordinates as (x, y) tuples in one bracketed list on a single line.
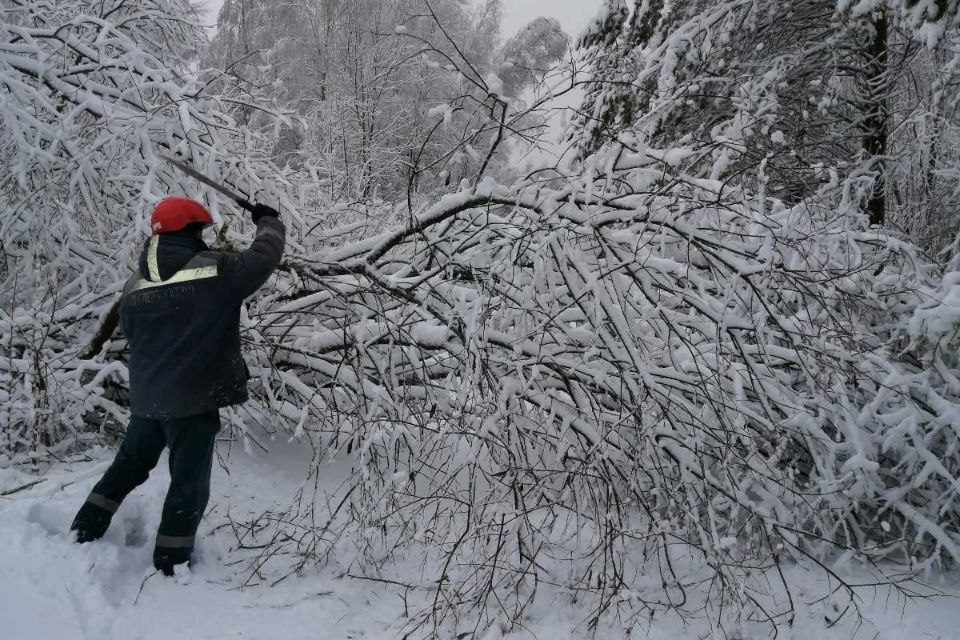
[(875, 121)]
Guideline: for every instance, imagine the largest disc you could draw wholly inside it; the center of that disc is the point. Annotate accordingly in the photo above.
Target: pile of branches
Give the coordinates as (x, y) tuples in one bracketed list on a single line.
[(623, 383)]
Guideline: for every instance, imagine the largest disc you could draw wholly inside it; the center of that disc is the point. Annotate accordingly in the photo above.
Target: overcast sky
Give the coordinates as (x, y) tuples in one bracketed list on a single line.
[(572, 14)]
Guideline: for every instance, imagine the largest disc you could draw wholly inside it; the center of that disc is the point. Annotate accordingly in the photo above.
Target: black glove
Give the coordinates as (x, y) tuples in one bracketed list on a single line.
[(263, 211)]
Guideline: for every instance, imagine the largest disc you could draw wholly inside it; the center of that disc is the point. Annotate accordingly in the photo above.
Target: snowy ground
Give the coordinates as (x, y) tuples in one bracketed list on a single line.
[(53, 589)]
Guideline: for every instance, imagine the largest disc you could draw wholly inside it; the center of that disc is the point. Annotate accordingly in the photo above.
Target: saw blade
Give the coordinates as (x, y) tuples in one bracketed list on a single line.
[(193, 173)]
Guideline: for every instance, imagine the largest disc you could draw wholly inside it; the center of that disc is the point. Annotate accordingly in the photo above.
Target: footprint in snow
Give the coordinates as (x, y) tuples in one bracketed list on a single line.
[(134, 532), (51, 519)]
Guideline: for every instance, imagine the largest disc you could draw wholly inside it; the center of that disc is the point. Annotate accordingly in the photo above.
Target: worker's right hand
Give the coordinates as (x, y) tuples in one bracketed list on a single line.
[(263, 211)]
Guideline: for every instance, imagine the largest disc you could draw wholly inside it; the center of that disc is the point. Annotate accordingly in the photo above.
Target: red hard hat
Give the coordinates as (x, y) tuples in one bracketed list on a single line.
[(173, 214)]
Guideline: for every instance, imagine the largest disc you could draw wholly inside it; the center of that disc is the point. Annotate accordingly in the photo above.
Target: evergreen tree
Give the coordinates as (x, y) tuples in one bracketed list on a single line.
[(808, 89)]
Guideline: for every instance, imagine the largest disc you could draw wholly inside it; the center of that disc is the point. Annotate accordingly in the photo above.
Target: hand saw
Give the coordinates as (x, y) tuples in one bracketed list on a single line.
[(193, 173)]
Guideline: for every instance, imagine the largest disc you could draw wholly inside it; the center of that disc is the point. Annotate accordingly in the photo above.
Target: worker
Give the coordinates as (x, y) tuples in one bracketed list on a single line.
[(180, 312)]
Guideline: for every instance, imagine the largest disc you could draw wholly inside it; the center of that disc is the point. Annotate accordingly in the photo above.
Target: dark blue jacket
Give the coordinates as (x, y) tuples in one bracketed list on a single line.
[(181, 316)]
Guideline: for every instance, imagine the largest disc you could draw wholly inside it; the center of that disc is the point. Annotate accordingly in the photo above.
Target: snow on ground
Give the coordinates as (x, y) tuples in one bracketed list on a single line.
[(53, 589)]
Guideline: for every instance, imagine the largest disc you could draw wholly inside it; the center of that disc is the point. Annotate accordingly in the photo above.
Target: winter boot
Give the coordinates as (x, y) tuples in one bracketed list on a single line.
[(91, 522), (165, 559)]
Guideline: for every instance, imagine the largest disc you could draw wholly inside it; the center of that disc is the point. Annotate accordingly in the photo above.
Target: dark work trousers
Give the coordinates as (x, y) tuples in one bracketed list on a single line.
[(191, 441)]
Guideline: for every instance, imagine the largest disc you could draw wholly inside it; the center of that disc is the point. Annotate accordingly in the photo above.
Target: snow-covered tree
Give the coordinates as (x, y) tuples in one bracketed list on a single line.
[(389, 93), (588, 379), (686, 353), (806, 88), (530, 54)]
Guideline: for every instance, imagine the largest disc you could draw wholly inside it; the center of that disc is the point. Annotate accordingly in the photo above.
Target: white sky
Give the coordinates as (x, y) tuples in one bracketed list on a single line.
[(572, 14)]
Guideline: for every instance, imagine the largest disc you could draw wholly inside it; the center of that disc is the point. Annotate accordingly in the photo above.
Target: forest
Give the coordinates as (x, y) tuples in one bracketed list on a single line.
[(657, 321)]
